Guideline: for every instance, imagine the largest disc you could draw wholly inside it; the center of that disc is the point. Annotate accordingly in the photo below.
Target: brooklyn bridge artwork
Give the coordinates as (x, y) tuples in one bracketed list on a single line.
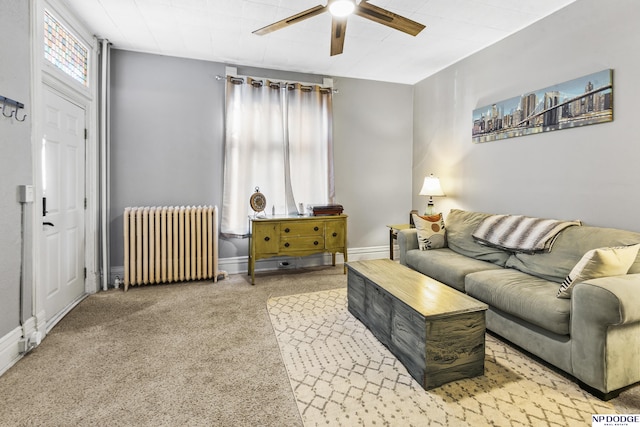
[(583, 101)]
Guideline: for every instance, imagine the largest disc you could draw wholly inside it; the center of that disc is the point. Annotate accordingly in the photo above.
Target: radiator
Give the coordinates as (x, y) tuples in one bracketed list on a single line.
[(170, 244)]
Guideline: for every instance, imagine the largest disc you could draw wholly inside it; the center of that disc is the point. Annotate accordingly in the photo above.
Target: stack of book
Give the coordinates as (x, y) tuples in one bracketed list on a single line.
[(327, 210)]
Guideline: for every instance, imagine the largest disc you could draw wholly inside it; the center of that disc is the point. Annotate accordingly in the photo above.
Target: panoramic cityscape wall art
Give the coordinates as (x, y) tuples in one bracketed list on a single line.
[(583, 101)]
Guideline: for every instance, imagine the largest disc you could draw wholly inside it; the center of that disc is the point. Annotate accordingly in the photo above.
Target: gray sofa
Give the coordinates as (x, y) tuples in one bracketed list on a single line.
[(594, 335)]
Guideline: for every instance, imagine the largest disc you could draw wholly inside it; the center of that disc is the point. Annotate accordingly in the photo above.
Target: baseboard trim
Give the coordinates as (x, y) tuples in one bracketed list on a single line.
[(237, 265), (30, 327), (9, 350)]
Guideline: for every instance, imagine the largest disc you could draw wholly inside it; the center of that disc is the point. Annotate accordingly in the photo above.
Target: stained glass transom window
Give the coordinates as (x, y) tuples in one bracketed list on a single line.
[(64, 50)]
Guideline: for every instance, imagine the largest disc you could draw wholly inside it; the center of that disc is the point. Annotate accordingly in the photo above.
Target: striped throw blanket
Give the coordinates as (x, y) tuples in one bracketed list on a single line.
[(519, 233)]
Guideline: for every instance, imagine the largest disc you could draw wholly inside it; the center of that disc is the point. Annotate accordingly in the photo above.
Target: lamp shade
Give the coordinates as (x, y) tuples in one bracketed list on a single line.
[(341, 8), (431, 187)]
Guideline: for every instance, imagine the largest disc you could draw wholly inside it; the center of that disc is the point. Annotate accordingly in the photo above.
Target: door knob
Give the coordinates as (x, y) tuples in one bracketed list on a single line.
[(48, 223)]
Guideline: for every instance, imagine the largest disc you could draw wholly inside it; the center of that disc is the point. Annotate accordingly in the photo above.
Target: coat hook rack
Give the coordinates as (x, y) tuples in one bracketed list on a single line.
[(12, 103)]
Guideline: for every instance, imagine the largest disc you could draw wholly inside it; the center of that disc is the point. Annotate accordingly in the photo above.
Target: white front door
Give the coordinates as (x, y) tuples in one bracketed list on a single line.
[(63, 191)]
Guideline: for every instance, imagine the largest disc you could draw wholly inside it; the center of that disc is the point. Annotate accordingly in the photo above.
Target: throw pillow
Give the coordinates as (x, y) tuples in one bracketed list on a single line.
[(430, 231), (601, 262)]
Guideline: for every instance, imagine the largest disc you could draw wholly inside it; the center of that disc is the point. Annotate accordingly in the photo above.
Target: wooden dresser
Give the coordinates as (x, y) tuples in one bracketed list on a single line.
[(296, 236)]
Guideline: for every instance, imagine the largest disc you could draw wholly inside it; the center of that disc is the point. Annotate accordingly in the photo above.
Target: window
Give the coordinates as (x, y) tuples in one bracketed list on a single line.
[(64, 50), (278, 138)]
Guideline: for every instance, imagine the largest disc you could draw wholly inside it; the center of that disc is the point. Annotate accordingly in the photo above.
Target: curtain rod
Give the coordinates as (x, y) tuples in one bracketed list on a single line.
[(326, 87), (233, 72)]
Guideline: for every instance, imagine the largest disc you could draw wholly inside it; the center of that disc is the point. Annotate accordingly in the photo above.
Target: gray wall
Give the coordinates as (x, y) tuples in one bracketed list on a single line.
[(372, 125), (589, 173), (15, 161), (168, 137), (166, 122)]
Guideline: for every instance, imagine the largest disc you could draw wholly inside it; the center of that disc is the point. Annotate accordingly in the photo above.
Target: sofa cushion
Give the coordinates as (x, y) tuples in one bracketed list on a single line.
[(596, 263), (431, 232), (446, 266), (569, 248), (460, 225), (529, 298)]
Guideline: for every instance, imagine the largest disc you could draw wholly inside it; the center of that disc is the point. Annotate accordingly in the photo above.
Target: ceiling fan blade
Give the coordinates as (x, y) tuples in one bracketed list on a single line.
[(390, 19), (338, 30), (309, 13)]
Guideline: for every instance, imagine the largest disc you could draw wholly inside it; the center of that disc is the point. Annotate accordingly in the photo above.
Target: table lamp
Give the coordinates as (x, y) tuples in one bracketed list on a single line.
[(431, 187)]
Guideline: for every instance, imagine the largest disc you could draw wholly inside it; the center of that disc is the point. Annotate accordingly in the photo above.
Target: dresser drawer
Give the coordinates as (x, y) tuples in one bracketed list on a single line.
[(302, 228), (301, 243)]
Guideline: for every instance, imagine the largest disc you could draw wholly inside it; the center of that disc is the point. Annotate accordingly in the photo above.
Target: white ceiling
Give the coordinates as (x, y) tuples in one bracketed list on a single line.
[(221, 31)]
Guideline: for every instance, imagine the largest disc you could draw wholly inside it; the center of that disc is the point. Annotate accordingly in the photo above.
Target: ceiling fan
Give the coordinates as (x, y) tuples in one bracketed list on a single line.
[(340, 10)]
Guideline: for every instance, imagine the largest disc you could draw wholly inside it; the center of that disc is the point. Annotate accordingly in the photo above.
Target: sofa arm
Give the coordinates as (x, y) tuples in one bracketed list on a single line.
[(407, 240), (605, 332), (612, 300)]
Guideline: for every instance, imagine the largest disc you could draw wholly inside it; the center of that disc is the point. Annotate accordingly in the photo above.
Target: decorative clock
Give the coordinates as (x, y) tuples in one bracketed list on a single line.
[(257, 201)]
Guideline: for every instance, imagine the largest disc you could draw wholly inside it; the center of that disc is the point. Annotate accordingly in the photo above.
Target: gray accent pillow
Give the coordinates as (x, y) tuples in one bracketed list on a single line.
[(601, 262)]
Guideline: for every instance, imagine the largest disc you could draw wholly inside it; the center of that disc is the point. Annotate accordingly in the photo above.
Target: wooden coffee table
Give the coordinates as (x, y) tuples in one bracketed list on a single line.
[(435, 331)]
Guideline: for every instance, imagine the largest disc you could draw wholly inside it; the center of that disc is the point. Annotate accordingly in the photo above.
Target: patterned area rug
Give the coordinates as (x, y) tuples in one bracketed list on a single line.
[(341, 375)]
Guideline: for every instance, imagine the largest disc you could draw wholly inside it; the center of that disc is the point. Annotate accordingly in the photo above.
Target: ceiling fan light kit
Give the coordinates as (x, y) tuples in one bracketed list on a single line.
[(339, 10), (342, 8)]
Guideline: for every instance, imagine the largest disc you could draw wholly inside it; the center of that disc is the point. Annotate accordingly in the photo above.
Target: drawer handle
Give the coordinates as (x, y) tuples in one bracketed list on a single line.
[(315, 243), (266, 239), (315, 229), (334, 234), (286, 245), (286, 230)]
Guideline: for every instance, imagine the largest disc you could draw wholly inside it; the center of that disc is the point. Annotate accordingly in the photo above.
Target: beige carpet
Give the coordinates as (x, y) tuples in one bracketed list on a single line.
[(196, 354), (341, 375)]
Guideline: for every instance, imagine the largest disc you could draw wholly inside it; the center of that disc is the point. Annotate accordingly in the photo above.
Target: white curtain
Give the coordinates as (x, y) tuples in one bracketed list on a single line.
[(279, 139)]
